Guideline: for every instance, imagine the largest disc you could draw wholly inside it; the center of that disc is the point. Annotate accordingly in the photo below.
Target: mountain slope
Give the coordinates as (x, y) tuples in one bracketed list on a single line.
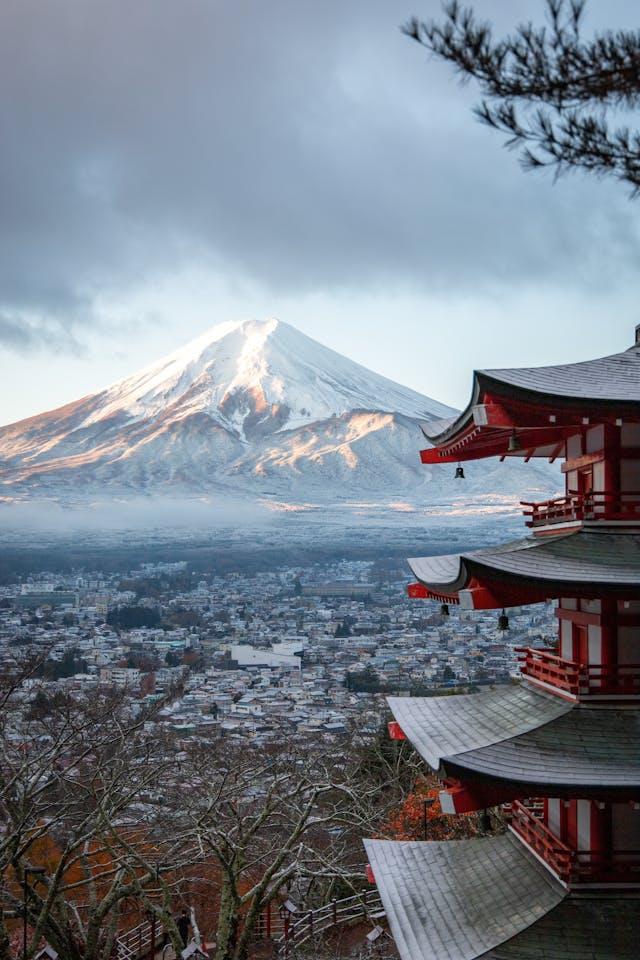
[(253, 407)]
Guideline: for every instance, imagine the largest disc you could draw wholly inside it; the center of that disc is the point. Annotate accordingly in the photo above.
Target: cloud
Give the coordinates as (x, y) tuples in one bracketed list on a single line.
[(303, 147), (37, 334)]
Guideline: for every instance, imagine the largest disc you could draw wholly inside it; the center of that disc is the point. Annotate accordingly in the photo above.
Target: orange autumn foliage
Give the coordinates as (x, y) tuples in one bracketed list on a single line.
[(407, 821)]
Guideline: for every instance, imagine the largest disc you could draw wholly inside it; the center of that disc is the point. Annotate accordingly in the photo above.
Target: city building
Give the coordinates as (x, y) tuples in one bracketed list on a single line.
[(560, 747)]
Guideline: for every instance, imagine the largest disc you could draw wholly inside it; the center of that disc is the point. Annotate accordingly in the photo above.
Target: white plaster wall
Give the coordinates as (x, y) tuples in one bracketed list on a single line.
[(553, 816), (566, 640), (595, 644), (584, 824)]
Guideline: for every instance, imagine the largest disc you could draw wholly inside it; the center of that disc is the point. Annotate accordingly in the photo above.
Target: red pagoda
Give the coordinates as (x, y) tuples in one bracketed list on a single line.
[(561, 746)]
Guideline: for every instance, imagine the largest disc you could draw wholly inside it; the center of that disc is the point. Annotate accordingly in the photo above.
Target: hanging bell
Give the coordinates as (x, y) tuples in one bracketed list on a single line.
[(444, 610), (503, 621), (459, 475), (514, 443)]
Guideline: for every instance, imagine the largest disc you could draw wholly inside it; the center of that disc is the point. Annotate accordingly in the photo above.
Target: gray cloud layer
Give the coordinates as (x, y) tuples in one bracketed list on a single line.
[(306, 146)]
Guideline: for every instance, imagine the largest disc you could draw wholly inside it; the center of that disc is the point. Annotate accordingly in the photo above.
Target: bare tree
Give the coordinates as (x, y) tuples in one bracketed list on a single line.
[(246, 825), (550, 91), (260, 823), (71, 768)]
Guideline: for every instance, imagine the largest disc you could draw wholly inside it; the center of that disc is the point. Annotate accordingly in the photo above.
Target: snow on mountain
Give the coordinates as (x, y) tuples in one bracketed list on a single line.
[(255, 408), (249, 373)]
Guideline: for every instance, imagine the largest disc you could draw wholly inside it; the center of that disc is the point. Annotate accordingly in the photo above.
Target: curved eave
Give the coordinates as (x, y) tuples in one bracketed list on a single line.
[(586, 752), (444, 575), (522, 737), (576, 563), (542, 405), (459, 898), (440, 727)]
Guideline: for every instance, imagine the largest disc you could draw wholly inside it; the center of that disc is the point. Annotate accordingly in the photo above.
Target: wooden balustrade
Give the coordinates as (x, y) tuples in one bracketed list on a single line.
[(574, 866), (579, 679), (576, 507), (551, 669)]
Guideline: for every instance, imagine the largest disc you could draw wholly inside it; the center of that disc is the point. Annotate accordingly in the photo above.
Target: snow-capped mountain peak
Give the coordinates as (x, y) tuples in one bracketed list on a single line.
[(251, 372), (253, 409)]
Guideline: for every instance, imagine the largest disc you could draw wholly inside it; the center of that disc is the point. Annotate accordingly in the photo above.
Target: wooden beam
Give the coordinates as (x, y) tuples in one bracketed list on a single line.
[(585, 461)]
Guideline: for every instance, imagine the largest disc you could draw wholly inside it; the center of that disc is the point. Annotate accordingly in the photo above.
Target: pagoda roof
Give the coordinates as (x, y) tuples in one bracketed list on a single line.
[(440, 727), (542, 403), (577, 929), (566, 564), (459, 899), (615, 378), (521, 735)]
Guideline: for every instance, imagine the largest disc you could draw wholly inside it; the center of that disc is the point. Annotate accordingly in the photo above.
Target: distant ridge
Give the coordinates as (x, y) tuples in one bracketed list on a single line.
[(252, 408)]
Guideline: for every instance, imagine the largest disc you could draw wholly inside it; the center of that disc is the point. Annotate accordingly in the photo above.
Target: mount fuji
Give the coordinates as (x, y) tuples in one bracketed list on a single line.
[(252, 409)]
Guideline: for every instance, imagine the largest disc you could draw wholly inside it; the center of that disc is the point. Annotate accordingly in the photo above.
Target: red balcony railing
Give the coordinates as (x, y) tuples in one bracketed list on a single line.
[(579, 679), (574, 866), (545, 843), (577, 507), (551, 669)]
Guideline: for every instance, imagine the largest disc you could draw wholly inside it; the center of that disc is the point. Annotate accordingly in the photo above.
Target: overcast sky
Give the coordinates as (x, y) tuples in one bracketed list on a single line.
[(170, 164)]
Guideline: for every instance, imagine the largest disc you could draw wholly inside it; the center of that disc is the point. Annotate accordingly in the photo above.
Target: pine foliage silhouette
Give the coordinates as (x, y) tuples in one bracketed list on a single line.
[(561, 99)]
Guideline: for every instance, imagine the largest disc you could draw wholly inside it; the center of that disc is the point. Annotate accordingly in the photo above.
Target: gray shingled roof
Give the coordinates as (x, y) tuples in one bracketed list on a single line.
[(582, 557), (441, 727), (613, 379), (586, 747), (579, 929), (458, 899), (439, 571), (616, 377)]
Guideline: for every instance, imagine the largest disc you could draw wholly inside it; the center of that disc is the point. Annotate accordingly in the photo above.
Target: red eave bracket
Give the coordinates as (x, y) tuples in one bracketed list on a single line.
[(395, 731), (418, 591), (370, 876), (467, 798), (500, 595)]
